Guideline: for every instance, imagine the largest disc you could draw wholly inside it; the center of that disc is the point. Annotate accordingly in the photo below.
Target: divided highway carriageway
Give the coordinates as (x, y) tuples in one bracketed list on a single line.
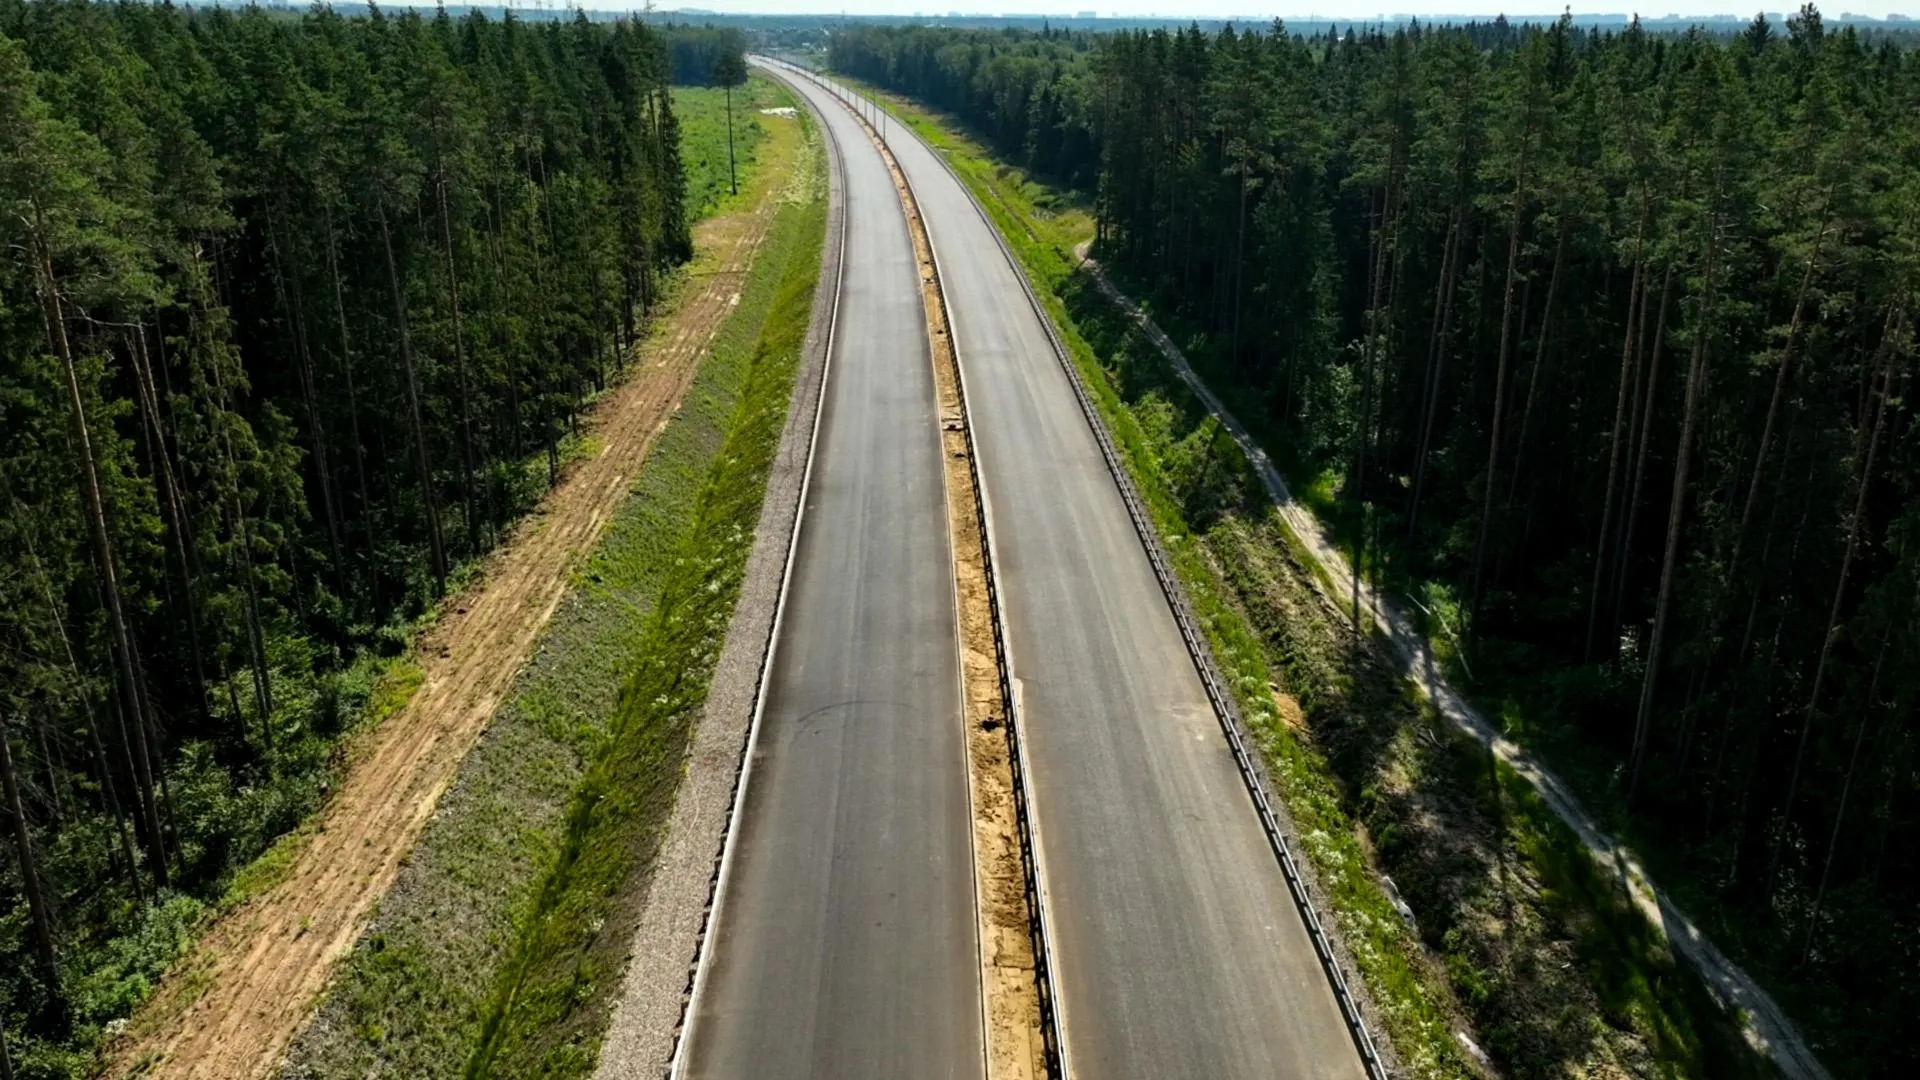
[(844, 938)]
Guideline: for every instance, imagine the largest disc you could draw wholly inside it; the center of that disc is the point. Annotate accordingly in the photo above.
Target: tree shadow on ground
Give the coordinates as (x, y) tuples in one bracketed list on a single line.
[(1545, 953)]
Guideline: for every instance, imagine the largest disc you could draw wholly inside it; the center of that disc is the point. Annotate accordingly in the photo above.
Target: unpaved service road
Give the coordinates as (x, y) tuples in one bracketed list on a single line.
[(843, 943), (230, 1010), (1180, 950)]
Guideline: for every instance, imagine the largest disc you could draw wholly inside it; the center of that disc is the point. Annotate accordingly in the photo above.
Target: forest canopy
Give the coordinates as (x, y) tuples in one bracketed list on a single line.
[(699, 51), (298, 314), (1599, 342)]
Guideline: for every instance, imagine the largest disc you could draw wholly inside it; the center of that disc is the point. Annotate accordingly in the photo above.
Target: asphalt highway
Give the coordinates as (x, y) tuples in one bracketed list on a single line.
[(844, 944), (1180, 950)]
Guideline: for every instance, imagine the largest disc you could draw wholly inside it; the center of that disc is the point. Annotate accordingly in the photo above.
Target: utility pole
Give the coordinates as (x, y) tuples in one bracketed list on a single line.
[(730, 70)]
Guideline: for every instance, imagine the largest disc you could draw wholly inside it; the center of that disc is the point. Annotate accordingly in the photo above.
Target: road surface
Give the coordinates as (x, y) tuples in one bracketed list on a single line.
[(844, 943), (1180, 950)]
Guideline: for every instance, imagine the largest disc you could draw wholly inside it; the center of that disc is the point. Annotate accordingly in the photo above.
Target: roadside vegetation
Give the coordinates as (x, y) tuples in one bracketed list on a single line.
[(492, 953), (298, 317), (1512, 937), (1598, 344), (702, 115)]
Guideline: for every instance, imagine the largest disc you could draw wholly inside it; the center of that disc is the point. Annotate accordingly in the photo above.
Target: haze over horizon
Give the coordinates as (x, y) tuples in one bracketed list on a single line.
[(1245, 11)]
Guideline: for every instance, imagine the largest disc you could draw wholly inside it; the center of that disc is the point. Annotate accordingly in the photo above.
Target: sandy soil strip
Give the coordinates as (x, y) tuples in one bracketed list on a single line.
[(232, 1007), (1016, 1045)]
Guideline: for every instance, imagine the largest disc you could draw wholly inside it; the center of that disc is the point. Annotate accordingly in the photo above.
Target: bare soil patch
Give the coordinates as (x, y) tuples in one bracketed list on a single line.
[(233, 1006)]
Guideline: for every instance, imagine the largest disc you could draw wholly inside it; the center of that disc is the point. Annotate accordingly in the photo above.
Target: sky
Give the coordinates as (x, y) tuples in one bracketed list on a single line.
[(1257, 10)]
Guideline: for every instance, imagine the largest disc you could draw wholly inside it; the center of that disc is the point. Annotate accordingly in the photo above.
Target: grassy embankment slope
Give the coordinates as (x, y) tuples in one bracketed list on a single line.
[(1516, 939), (510, 924)]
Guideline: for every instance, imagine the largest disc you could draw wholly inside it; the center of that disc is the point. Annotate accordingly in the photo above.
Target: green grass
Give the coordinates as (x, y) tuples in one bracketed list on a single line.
[(702, 114), (1519, 932), (548, 1007), (420, 989), (253, 831)]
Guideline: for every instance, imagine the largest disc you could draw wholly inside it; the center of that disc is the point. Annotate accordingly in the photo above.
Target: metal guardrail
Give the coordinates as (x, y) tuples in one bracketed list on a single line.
[(1225, 710), (1044, 964)]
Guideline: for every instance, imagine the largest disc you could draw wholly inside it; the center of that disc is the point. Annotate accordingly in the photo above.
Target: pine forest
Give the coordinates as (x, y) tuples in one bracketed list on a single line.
[(1595, 344), (298, 314), (1598, 344)]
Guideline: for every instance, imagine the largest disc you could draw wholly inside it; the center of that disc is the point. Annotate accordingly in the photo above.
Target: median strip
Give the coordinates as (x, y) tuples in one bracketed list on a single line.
[(1016, 1033)]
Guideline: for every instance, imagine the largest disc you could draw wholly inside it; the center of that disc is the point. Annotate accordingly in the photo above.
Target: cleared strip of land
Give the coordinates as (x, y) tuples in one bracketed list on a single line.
[(233, 1006)]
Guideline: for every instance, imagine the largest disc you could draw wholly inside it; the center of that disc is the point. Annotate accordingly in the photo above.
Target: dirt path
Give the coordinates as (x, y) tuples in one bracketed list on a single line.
[(231, 1008), (1769, 1030)]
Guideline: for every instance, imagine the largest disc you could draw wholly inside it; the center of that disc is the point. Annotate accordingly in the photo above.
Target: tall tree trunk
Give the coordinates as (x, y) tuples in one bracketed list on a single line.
[(549, 419), (1846, 790), (460, 369), (152, 744), (1676, 508), (353, 405), (496, 242), (39, 914), (242, 547), (1428, 374), (1540, 358), (1450, 278), (256, 636), (1781, 376), (437, 544), (94, 506), (107, 786), (1636, 288), (1644, 430), (56, 798), (1499, 385), (1239, 264), (172, 501), (1895, 329), (287, 285)]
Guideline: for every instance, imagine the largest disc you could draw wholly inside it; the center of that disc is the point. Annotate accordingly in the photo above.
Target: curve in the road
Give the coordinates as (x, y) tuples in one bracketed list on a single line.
[(843, 941)]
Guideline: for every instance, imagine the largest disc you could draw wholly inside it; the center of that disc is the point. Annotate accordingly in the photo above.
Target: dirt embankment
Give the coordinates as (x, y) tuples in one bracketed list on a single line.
[(231, 1008)]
